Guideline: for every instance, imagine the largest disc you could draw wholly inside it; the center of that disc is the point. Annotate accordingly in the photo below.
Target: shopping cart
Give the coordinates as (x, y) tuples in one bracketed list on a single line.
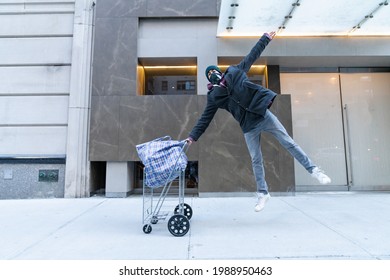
[(165, 162)]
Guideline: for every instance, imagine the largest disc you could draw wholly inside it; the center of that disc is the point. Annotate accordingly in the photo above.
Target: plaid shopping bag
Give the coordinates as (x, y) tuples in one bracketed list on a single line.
[(162, 157)]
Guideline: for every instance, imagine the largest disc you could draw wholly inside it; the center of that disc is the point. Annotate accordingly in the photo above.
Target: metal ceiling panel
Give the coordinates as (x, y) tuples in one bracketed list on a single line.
[(240, 18)]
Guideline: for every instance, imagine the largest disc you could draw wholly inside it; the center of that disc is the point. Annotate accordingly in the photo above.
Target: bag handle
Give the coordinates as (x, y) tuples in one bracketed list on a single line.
[(167, 137)]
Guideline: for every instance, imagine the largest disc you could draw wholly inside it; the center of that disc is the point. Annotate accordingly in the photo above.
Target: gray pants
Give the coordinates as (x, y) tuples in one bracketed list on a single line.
[(271, 124)]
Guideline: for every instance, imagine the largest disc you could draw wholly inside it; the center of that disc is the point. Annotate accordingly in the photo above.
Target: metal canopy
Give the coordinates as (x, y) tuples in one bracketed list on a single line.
[(242, 18)]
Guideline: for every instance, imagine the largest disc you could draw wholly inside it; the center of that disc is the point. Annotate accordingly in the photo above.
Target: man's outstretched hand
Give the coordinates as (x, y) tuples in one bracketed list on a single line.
[(271, 35)]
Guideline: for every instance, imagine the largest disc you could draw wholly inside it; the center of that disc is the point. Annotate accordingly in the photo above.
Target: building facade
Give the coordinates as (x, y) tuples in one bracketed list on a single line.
[(45, 63), (89, 80)]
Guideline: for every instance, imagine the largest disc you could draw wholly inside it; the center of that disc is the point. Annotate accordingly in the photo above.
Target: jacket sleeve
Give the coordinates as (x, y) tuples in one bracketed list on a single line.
[(205, 119), (254, 54)]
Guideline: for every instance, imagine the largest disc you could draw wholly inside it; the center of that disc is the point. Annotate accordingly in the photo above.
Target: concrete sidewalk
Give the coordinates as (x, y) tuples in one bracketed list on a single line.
[(306, 226)]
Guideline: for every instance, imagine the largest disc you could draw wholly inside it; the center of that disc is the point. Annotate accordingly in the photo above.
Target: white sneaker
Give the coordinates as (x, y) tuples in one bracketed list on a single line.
[(320, 176), (262, 200)]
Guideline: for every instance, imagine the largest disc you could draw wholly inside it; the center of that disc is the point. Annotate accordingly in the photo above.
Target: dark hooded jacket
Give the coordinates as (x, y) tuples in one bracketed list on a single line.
[(246, 101)]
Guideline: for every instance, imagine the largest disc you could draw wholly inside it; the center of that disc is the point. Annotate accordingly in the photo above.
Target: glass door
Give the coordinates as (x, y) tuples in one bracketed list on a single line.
[(342, 122), (366, 104), (317, 126)]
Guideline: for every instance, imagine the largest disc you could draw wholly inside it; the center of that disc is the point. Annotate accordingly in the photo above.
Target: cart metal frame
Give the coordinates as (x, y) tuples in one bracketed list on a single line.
[(178, 223)]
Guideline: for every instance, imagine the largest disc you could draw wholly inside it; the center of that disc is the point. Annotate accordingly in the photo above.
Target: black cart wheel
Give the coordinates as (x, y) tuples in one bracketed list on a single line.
[(147, 229), (187, 210), (178, 225)]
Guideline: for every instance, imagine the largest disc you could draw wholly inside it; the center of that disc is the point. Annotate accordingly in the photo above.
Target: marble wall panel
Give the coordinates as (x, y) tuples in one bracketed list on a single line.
[(120, 123), (115, 57), (121, 8), (174, 8), (104, 128), (157, 8), (144, 118), (224, 161)]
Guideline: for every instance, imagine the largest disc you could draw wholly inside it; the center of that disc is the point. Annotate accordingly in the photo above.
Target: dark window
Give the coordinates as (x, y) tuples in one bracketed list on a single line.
[(164, 85), (167, 76), (185, 85)]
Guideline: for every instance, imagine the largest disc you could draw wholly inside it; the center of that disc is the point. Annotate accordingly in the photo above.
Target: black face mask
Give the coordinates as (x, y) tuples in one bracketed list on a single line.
[(215, 78)]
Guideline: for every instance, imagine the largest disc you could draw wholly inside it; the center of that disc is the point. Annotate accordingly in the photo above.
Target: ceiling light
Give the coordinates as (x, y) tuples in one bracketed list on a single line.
[(253, 66), (169, 67)]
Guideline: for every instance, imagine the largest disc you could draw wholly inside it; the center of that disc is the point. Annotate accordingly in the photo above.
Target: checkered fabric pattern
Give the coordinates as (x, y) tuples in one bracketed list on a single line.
[(162, 158)]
